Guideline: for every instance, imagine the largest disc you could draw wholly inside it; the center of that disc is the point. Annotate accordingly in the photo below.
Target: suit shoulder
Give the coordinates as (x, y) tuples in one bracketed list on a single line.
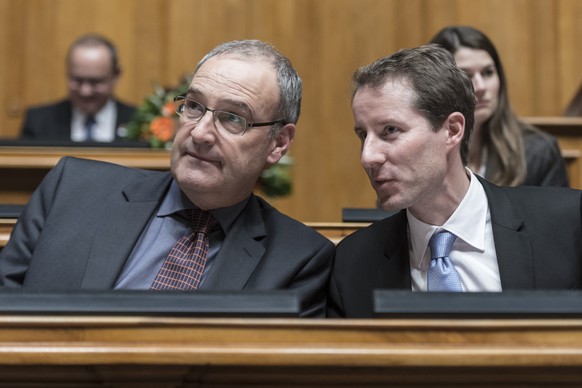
[(376, 232), (537, 193), (534, 201), (48, 108), (92, 169), (536, 140), (288, 227)]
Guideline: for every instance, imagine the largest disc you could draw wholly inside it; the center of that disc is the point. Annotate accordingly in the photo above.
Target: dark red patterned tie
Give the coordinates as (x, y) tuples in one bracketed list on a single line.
[(183, 268)]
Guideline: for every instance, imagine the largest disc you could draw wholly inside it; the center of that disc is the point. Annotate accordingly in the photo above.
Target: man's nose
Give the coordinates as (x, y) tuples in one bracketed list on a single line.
[(86, 88), (205, 127), (372, 153)]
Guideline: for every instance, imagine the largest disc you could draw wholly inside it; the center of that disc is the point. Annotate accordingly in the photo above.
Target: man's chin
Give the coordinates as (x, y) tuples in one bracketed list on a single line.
[(389, 203), (88, 109)]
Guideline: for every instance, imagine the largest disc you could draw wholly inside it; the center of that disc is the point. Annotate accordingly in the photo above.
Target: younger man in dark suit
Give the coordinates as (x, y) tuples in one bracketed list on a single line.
[(413, 113), (93, 225), (91, 113)]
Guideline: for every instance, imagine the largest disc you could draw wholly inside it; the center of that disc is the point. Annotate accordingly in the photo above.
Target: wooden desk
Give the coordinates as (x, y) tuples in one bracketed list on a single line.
[(335, 231), (22, 168), (51, 351), (568, 131), (6, 225)]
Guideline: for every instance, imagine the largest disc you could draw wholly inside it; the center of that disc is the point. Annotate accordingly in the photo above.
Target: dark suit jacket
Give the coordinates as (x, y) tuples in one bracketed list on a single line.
[(53, 122), (81, 224), (538, 240), (544, 162)]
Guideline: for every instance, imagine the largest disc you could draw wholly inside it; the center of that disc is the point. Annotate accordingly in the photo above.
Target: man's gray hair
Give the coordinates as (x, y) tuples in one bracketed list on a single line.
[(290, 85)]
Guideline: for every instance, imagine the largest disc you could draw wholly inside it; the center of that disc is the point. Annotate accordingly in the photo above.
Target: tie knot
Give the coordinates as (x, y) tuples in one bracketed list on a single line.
[(89, 121), (202, 220), (440, 244)]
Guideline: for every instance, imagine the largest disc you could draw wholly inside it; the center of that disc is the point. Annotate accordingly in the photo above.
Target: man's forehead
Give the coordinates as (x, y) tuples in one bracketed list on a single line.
[(247, 78), (94, 59), (393, 89), (234, 59), (236, 69)]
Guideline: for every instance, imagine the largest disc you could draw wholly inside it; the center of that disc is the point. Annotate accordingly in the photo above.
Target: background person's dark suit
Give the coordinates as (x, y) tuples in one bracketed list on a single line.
[(53, 122), (544, 162), (85, 218), (537, 234)]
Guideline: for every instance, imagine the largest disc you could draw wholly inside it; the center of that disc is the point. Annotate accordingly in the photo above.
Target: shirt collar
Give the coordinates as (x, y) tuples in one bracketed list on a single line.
[(176, 201), (467, 222), (107, 111)]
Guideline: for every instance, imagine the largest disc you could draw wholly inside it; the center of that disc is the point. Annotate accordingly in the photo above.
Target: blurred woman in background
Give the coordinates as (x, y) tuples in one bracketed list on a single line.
[(504, 149)]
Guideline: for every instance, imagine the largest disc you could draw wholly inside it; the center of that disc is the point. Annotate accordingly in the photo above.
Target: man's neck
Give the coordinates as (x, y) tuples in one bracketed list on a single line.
[(437, 208)]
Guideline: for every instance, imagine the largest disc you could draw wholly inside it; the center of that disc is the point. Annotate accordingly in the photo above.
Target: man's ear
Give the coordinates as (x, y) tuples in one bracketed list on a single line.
[(281, 144), (116, 73), (455, 128)]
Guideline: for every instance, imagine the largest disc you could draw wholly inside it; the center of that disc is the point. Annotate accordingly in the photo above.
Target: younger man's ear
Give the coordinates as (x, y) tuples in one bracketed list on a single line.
[(455, 127)]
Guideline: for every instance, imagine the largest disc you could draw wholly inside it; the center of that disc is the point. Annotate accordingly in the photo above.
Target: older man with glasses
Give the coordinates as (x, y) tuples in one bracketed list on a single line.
[(92, 225)]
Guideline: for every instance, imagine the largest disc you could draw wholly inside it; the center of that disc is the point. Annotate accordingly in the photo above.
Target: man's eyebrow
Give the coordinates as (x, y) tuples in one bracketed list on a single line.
[(192, 91), (228, 101)]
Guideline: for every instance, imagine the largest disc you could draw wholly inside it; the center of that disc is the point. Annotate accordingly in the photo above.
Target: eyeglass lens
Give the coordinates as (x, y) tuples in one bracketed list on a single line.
[(194, 111)]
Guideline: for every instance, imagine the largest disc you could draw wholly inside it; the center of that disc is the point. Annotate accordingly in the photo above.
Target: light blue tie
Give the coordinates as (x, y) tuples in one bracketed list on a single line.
[(442, 275)]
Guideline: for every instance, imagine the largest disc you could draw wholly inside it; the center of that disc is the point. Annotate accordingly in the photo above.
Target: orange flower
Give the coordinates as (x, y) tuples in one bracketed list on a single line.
[(168, 109), (162, 128)]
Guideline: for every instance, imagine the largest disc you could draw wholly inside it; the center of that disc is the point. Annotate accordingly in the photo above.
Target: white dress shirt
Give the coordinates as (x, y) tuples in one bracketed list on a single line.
[(473, 253), (104, 128)]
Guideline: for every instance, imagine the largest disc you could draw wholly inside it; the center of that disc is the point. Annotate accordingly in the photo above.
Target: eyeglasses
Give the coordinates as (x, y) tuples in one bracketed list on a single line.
[(93, 82), (192, 110)]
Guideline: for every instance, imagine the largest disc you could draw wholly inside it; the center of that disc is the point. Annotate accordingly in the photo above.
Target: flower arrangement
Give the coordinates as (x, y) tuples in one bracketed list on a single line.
[(156, 122)]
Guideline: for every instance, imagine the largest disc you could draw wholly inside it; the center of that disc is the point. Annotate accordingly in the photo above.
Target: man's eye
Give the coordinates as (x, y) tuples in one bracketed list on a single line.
[(361, 135), (231, 118), (389, 130), (194, 106)]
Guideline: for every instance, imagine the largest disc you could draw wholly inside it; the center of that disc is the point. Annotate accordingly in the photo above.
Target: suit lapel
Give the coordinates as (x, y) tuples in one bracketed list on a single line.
[(240, 252), (124, 115), (512, 243), (120, 227), (62, 125), (396, 260)]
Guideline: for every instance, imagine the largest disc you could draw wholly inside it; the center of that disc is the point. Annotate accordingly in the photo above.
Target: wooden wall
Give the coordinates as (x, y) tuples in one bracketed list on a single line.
[(159, 40)]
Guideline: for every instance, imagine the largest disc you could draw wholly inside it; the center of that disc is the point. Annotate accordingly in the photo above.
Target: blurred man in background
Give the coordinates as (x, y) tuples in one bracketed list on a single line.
[(91, 113)]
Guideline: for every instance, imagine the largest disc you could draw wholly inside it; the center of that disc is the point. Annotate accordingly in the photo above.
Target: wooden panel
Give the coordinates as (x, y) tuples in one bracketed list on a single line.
[(51, 351), (334, 231), (47, 157), (6, 226), (569, 55), (22, 168), (544, 46), (12, 17), (160, 41)]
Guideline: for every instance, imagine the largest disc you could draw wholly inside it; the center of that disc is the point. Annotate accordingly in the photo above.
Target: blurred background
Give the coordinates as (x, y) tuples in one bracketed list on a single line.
[(160, 41)]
